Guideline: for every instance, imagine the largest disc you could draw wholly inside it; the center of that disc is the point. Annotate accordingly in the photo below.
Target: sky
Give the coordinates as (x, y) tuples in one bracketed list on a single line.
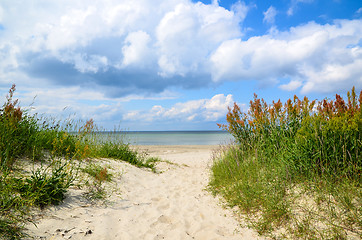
[(175, 64)]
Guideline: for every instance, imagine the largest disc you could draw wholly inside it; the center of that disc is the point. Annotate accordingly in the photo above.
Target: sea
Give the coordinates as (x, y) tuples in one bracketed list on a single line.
[(171, 137)]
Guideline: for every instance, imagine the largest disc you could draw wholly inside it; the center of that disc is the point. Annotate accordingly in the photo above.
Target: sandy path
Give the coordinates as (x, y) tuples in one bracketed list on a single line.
[(170, 205)]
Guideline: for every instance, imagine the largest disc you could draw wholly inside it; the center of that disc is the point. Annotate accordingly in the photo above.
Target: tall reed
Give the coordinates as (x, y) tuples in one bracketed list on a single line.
[(321, 137), (286, 150)]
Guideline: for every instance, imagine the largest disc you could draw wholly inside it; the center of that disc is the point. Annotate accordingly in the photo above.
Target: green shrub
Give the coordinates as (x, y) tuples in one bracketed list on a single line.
[(46, 188)]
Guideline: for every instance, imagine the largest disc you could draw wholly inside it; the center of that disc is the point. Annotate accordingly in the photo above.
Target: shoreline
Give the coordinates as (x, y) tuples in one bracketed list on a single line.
[(157, 149)]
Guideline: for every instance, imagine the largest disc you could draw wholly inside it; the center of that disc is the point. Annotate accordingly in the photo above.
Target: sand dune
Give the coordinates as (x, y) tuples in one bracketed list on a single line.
[(145, 205)]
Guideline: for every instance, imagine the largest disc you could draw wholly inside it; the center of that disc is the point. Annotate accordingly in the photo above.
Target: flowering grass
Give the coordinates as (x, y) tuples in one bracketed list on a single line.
[(295, 171)]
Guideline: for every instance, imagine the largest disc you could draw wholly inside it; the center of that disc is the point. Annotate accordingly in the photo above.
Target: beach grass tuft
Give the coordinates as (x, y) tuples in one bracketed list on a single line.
[(123, 152), (98, 176), (295, 170)]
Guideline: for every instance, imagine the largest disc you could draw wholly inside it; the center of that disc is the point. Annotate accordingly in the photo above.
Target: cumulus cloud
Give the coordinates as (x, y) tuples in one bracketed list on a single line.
[(136, 50), (196, 110), (142, 46), (121, 47), (78, 103), (189, 33), (326, 57), (64, 102)]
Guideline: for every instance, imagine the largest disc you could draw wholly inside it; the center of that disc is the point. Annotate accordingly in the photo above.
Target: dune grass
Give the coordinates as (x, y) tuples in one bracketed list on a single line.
[(98, 175), (125, 153), (295, 170), (55, 151)]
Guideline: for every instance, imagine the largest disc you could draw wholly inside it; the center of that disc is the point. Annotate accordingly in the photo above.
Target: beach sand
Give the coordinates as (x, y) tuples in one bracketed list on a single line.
[(172, 204)]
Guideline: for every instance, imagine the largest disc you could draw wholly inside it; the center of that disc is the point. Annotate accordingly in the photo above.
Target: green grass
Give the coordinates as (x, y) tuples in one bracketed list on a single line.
[(123, 152), (98, 172), (55, 150), (44, 187), (98, 175), (14, 210), (295, 171)]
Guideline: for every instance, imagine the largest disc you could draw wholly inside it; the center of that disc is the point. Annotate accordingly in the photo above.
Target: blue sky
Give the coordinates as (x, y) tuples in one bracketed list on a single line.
[(175, 64)]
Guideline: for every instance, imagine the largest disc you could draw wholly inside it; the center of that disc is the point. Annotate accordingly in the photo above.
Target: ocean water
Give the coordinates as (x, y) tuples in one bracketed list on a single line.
[(171, 137)]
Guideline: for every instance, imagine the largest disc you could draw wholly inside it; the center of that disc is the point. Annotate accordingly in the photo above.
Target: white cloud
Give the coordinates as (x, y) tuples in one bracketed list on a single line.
[(189, 33), (1, 14), (359, 11), (81, 103), (215, 2), (294, 5), (71, 103), (87, 63), (326, 57), (76, 25), (73, 52), (240, 9), (136, 49), (118, 43), (290, 11), (124, 47), (269, 15), (196, 110), (291, 86), (334, 76)]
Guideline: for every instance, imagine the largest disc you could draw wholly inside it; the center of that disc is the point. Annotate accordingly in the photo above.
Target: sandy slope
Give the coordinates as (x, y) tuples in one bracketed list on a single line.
[(144, 205)]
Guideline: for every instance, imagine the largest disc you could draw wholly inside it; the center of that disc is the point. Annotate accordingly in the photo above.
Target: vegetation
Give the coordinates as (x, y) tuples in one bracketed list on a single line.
[(123, 152), (45, 188), (98, 175), (54, 150), (295, 171)]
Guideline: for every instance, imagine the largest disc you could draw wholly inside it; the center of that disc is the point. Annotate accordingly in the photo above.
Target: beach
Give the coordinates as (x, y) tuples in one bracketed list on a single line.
[(171, 204)]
